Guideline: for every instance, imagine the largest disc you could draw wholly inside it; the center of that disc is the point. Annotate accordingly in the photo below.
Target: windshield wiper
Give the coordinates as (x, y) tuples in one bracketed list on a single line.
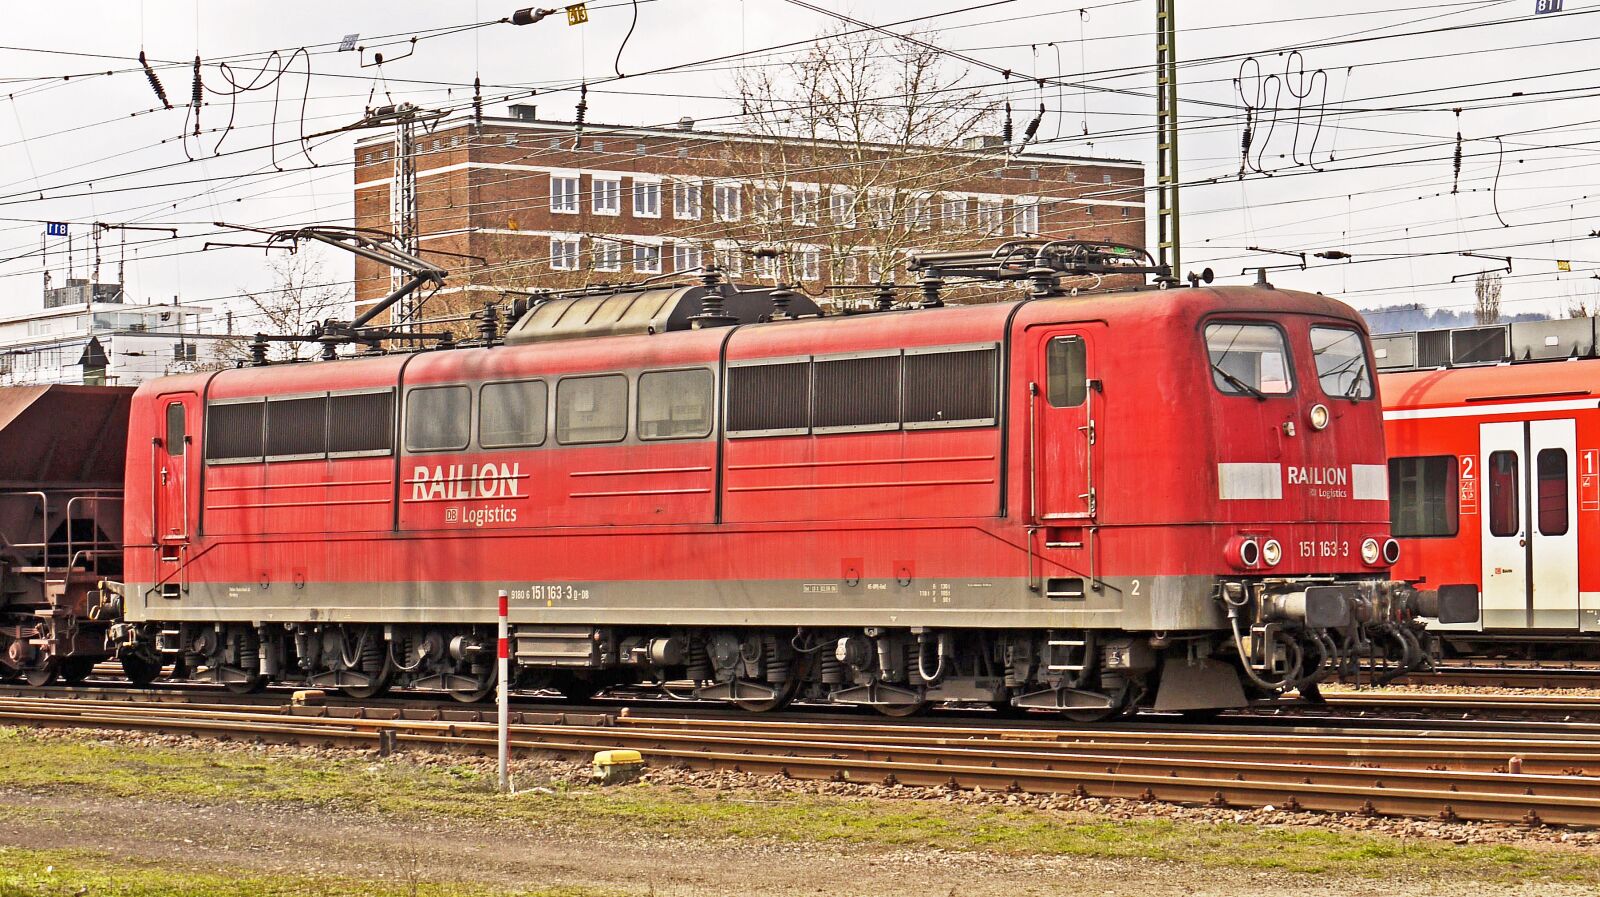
[(1236, 383)]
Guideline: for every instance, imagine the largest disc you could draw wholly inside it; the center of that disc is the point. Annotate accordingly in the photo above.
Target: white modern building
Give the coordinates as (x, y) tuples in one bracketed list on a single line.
[(106, 343)]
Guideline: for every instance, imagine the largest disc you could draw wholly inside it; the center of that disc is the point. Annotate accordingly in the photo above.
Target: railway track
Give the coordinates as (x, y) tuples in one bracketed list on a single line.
[(1528, 676), (1545, 774)]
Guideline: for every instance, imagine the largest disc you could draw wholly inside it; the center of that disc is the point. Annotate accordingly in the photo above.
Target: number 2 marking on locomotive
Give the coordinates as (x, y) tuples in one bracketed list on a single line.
[(1135, 587)]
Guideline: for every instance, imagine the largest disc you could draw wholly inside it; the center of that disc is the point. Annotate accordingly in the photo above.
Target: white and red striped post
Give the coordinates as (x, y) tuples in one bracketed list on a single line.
[(503, 696)]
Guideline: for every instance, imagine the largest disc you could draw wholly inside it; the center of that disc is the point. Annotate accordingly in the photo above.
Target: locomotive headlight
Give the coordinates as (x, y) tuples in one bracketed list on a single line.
[(1370, 551), (1271, 553), (1391, 552), (1319, 416)]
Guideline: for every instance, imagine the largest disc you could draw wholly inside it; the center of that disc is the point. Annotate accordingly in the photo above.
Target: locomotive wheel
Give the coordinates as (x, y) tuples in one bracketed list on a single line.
[(378, 685), (476, 693), (249, 686), (141, 671), (899, 710), (786, 693), (76, 669), (42, 675)]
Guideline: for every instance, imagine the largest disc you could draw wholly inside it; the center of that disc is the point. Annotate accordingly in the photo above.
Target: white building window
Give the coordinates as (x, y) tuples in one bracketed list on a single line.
[(607, 196), (883, 210), (875, 272), (955, 213), (766, 265), (921, 212), (730, 260), (685, 257), (842, 208), (1026, 217), (564, 194), (686, 200), (807, 205), (563, 253), (607, 255), (768, 203), (991, 215), (646, 199), (842, 268), (726, 202), (810, 263), (646, 258)]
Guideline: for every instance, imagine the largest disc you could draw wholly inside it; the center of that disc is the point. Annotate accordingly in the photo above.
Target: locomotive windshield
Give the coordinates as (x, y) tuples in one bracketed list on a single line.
[(1341, 357), (1249, 359)]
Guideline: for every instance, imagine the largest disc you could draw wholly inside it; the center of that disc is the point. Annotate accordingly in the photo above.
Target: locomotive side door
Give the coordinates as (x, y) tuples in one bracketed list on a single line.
[(1530, 539), (171, 468), (1062, 403)]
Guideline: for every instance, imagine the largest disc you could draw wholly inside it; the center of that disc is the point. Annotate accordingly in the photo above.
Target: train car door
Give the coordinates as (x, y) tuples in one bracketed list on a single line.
[(173, 463), (1063, 403), (1530, 536)]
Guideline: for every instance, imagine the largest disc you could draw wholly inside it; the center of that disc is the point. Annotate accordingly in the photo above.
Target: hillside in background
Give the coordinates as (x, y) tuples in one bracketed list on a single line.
[(1400, 318)]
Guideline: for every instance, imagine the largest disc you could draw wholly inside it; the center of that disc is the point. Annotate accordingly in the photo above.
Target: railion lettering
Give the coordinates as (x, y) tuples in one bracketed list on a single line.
[(462, 482), (1317, 476)]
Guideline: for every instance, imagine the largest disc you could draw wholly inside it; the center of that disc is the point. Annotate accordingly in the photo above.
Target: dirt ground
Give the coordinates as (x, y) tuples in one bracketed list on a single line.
[(290, 840)]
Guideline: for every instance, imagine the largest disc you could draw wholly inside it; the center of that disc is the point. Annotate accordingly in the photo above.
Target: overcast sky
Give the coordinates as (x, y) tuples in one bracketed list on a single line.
[(1369, 172)]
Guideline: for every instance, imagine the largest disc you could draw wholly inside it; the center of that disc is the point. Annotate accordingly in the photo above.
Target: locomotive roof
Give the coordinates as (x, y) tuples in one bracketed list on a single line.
[(1158, 310)]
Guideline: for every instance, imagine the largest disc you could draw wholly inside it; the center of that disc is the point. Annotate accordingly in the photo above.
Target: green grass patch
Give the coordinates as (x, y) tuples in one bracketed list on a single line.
[(406, 790), (65, 873)]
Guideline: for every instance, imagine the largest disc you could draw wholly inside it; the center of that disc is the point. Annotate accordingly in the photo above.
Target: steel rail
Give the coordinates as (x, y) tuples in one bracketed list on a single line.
[(836, 753)]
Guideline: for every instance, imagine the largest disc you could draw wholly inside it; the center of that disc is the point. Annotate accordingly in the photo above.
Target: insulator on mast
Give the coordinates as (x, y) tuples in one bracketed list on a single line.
[(155, 82)]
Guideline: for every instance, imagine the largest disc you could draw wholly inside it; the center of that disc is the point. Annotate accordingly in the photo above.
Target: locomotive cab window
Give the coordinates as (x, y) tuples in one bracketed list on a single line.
[(1423, 496), (1341, 357), (438, 419), (592, 409), (1067, 371), (512, 415), (675, 404), (177, 429), (1249, 359)]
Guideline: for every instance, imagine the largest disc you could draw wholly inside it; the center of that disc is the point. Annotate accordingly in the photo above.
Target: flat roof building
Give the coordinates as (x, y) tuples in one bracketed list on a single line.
[(523, 203)]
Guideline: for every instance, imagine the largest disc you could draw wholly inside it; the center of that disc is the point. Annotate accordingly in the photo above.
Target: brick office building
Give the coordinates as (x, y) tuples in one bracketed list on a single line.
[(547, 207)]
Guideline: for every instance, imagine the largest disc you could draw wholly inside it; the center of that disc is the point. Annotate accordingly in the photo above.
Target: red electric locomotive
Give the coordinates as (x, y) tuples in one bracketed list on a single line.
[(1171, 498), (1494, 474)]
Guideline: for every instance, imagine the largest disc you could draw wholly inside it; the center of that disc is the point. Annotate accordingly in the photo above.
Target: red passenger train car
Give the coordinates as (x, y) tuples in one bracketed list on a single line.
[(1494, 473), (1169, 498)]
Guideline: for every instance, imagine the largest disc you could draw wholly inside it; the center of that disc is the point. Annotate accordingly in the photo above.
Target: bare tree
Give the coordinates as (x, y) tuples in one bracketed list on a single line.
[(862, 132), (1486, 292), (301, 296), (1582, 304)]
